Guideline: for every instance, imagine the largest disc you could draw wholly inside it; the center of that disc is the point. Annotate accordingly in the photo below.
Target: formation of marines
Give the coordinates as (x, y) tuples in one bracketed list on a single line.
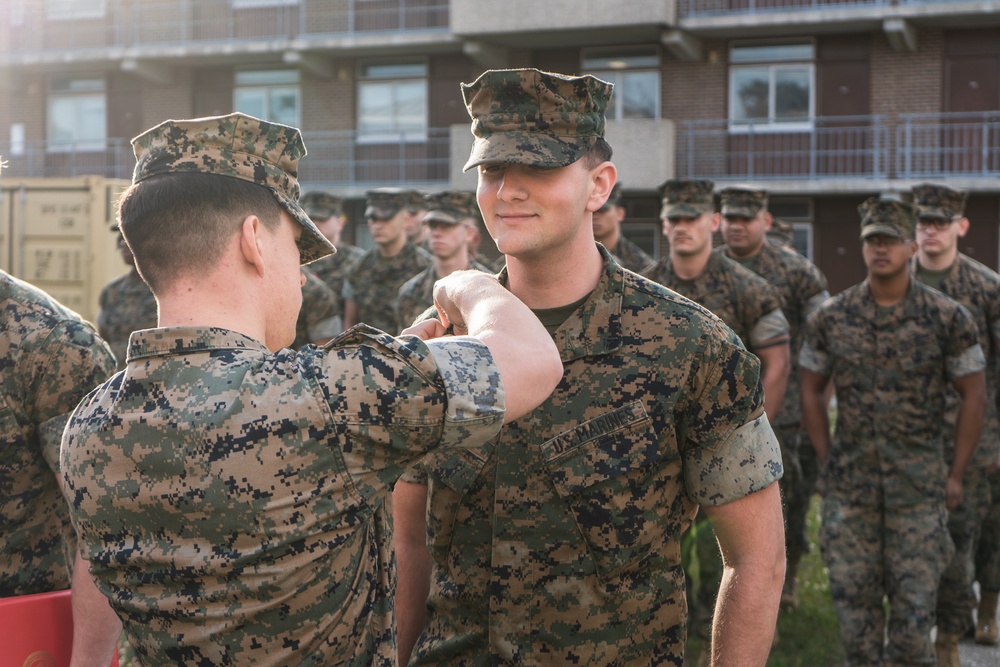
[(559, 442)]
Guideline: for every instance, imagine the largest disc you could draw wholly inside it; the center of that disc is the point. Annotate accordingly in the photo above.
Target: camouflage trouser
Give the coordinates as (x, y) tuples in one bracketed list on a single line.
[(872, 553), (956, 599), (988, 554), (797, 484)]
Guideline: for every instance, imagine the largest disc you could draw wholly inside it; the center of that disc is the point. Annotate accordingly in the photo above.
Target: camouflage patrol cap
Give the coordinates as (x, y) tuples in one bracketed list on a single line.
[(451, 207), (541, 119), (383, 203), (614, 199), (781, 233), (321, 205), (939, 201), (888, 217), (742, 202), (686, 198), (236, 146), (417, 201)]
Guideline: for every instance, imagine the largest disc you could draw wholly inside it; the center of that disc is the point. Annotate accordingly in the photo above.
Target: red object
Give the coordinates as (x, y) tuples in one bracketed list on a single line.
[(37, 630)]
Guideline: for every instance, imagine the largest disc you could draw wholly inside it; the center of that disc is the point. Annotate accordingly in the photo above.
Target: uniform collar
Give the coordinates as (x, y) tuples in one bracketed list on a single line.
[(188, 340), (596, 326)]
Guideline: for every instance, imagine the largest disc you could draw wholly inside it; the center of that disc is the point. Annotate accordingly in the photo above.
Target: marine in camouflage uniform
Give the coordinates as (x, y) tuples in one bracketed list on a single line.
[(49, 360), (941, 222), (372, 288), (230, 494), (802, 288), (126, 304), (751, 308), (446, 211), (319, 317), (327, 213), (562, 544), (608, 231), (988, 566), (892, 346)]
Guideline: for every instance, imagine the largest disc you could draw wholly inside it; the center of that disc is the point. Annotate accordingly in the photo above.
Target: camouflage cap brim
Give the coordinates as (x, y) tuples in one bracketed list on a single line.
[(884, 229), (534, 149), (312, 244), (933, 213), (442, 217), (381, 212), (681, 211), (731, 210)]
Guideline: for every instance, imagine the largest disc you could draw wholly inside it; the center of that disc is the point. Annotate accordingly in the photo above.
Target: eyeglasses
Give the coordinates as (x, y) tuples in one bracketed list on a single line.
[(937, 223)]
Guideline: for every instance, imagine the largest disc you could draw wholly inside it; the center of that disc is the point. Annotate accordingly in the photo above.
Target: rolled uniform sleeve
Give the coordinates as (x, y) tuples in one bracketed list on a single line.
[(732, 451), (476, 400), (769, 327)]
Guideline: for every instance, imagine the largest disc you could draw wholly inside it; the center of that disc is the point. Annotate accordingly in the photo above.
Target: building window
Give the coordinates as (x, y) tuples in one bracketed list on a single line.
[(268, 94), (392, 102), (77, 118), (61, 10), (247, 4), (636, 75), (771, 86)]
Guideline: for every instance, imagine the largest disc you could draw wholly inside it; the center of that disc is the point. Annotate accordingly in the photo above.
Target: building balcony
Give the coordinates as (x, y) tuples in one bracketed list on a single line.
[(899, 19), (835, 147), (965, 145), (344, 162), (29, 33), (842, 153), (528, 23)]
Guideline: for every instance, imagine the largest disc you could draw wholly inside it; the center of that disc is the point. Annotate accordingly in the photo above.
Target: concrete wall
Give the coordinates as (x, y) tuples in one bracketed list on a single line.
[(480, 17)]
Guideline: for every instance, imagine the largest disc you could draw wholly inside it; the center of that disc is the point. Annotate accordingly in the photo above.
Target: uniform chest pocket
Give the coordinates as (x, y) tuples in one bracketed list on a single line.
[(617, 476)]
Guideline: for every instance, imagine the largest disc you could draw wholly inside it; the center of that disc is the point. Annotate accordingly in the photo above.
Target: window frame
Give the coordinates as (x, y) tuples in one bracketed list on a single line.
[(268, 88), (774, 66), (617, 74), (64, 10), (55, 93), (395, 135), (255, 4)]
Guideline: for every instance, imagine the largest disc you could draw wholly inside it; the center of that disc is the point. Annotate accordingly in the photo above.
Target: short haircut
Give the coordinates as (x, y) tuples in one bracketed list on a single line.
[(598, 153), (178, 223)]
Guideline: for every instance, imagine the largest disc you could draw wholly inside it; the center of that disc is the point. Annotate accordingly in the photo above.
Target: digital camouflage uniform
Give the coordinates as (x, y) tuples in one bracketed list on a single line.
[(126, 305), (416, 295), (802, 288), (375, 280), (752, 309), (49, 359), (625, 252), (631, 256), (320, 318), (560, 543), (230, 500), (332, 269), (884, 530), (978, 289), (742, 299)]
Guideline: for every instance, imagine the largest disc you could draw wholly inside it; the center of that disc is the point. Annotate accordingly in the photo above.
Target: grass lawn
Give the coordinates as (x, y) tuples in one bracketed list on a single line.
[(808, 635)]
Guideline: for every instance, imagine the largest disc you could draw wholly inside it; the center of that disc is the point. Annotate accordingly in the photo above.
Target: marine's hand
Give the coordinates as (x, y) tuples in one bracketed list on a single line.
[(426, 330)]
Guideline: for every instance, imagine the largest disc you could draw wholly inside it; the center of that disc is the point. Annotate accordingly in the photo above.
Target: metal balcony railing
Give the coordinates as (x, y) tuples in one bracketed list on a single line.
[(948, 144), (31, 27), (335, 158), (819, 148), (693, 8)]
